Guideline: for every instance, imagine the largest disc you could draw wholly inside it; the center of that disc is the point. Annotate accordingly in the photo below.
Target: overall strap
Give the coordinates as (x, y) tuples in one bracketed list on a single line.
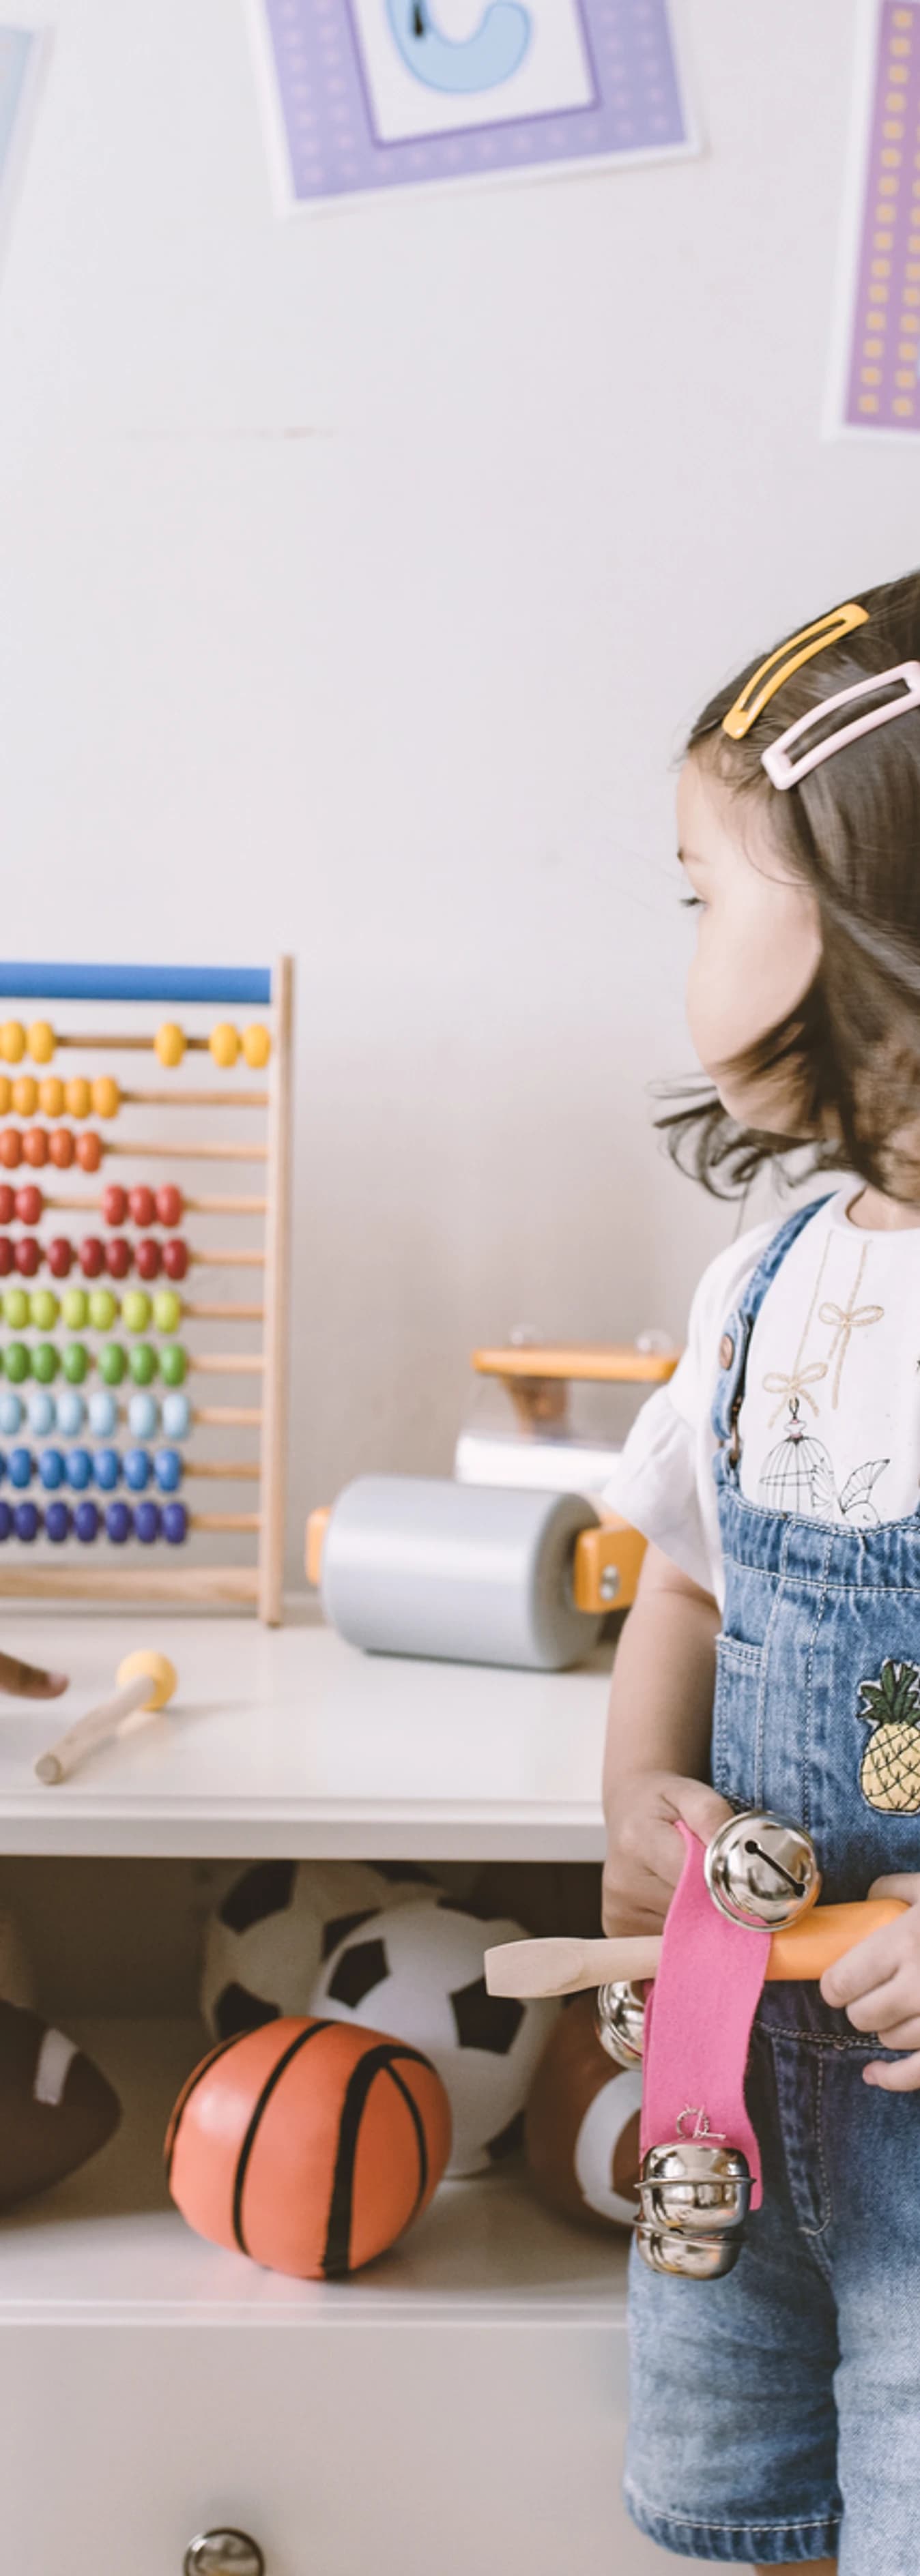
[(736, 1336)]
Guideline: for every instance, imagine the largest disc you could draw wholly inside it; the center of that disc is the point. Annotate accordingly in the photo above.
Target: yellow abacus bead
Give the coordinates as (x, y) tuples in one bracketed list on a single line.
[(106, 1096), (169, 1043), (224, 1043), (25, 1096), (5, 1094), (257, 1046), (77, 1098), (40, 1041), (51, 1096), (12, 1041)]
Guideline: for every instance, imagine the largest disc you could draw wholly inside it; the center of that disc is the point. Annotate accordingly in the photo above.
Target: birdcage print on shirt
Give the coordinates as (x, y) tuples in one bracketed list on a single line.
[(798, 1475)]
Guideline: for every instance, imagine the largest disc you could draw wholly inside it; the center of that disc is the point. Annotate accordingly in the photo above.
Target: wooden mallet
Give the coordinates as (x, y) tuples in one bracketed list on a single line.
[(145, 1682), (563, 1967)]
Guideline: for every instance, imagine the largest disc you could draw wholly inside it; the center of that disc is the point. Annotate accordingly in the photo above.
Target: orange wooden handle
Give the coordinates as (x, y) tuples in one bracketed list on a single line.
[(818, 1938)]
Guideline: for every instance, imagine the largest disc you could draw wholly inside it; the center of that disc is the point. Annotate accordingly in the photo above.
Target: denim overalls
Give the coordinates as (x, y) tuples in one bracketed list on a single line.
[(775, 2415)]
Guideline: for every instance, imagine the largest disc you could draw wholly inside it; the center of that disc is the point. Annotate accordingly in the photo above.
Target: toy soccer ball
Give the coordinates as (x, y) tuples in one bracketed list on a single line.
[(416, 1972), (267, 1938)]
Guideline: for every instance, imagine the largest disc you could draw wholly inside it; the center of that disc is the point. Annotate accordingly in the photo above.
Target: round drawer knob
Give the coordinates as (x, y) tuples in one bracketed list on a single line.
[(223, 2553)]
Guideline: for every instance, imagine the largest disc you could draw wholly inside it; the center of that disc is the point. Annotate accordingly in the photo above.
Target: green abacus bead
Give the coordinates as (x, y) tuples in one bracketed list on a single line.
[(112, 1363), (44, 1309), (167, 1310), (16, 1362), (75, 1362), (102, 1309), (44, 1363), (135, 1311), (142, 1362), (75, 1308), (16, 1308), (173, 1364)]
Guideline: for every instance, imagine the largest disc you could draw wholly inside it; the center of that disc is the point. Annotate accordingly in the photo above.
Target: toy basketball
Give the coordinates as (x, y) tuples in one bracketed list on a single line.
[(307, 2145), (581, 2125)]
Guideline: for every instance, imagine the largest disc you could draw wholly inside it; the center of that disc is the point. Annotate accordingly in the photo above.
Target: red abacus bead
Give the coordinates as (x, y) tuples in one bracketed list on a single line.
[(7, 1203), (10, 1147), (29, 1204), (142, 1205), (118, 1256), (35, 1147), (27, 1256), (114, 1204), (89, 1152), (175, 1257), (6, 1256), (91, 1256), (169, 1203), (148, 1258), (61, 1148), (59, 1256)]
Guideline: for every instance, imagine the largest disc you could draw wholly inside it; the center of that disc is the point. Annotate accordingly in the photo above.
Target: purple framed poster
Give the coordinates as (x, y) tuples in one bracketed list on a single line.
[(371, 96), (875, 381)]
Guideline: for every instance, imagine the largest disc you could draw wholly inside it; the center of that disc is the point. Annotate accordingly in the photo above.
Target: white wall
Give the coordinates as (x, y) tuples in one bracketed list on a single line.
[(357, 577)]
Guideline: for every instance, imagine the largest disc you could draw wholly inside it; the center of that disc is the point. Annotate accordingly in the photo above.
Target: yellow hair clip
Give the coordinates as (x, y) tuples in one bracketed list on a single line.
[(779, 665)]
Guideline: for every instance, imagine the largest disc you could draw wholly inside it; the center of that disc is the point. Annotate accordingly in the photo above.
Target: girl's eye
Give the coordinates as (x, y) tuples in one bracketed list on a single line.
[(691, 902)]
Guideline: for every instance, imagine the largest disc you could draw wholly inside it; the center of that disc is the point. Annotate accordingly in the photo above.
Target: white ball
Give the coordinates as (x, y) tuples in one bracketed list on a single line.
[(273, 1927), (416, 1973)]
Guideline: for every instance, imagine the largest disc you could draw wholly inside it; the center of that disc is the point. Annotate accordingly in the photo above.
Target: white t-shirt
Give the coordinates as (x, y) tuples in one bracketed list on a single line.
[(830, 1421)]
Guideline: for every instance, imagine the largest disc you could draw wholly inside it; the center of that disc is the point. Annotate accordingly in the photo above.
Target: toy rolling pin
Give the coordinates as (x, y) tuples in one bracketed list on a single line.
[(145, 1682)]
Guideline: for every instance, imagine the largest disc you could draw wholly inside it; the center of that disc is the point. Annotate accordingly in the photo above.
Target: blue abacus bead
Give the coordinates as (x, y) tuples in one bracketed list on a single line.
[(143, 1415), (57, 1522), (20, 1466), (86, 1521), (107, 1469), (27, 1522), (6, 1521), (2, 1465), (167, 1468), (175, 1523), (10, 1412), (41, 1412), (137, 1469), (103, 1413), (119, 1523), (79, 1469), (147, 1523), (51, 1469), (177, 1416)]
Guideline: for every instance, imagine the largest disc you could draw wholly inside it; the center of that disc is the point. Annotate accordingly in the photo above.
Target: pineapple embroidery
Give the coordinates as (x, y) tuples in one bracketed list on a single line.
[(889, 1773)]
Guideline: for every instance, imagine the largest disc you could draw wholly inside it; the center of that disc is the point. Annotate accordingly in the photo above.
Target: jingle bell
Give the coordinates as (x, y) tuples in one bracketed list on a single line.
[(691, 2258), (695, 2186), (619, 2021), (762, 1872)]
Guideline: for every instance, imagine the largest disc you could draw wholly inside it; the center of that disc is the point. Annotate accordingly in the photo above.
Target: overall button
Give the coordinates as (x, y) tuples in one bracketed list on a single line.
[(726, 1351)]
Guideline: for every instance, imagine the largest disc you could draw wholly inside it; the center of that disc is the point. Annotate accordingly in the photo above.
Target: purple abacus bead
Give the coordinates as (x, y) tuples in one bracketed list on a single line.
[(175, 1523), (86, 1521), (27, 1521), (57, 1522), (6, 1520), (147, 1523), (119, 1523)]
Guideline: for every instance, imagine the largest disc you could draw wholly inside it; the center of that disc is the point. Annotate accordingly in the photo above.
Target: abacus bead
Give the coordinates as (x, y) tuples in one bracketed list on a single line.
[(7, 1203), (103, 1413), (16, 1362), (173, 1364), (77, 1097), (6, 1521), (44, 1309), (6, 1256), (75, 1308), (79, 1469), (12, 1041), (10, 1412), (15, 1309), (257, 1046), (168, 1045), (59, 1255), (148, 1258), (61, 1148), (118, 1256), (91, 1256), (177, 1415), (224, 1044), (112, 1363), (20, 1466), (115, 1204), (147, 1523), (107, 1469), (169, 1203), (5, 1094), (106, 1096), (35, 1147), (167, 1468), (44, 1363), (135, 1311), (51, 1469), (51, 1097), (24, 1095), (29, 1203), (167, 1310), (175, 1523), (137, 1469), (75, 1362), (143, 1364), (142, 1205), (71, 1412), (57, 1522), (41, 1412), (27, 1522), (175, 1257), (27, 1256), (86, 1521), (143, 1416), (89, 1151), (102, 1309), (119, 1523), (10, 1148), (40, 1041)]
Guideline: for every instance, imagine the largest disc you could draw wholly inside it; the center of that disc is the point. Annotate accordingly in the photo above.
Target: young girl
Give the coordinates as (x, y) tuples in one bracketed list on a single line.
[(773, 1654)]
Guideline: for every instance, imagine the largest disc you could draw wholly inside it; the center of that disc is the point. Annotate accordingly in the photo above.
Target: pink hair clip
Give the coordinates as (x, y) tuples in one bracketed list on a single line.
[(786, 773)]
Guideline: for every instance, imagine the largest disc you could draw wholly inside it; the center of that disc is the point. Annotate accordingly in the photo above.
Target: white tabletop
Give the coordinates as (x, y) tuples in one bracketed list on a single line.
[(288, 1740)]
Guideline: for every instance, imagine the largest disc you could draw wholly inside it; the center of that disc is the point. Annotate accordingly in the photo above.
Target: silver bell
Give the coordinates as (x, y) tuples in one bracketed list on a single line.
[(691, 2258), (619, 2021), (695, 2187), (761, 1872)]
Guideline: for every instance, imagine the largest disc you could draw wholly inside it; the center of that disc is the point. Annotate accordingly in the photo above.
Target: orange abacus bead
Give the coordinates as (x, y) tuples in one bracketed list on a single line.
[(77, 1098), (89, 1152), (51, 1096), (106, 1096), (35, 1147), (10, 1148), (5, 1094), (61, 1148)]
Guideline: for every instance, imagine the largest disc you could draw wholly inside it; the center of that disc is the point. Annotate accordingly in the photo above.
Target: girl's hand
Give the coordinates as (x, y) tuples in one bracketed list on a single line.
[(27, 1681), (645, 1855), (878, 1985)]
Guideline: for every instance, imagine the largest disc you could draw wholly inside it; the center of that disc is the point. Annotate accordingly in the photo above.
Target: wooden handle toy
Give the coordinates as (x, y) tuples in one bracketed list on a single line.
[(564, 1967), (145, 1682)]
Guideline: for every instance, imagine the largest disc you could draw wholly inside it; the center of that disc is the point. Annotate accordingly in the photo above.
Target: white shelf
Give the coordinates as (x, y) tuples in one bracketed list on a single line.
[(108, 2248), (286, 1740)]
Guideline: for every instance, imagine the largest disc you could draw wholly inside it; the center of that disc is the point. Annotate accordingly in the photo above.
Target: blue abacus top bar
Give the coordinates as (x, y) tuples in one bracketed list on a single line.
[(38, 983)]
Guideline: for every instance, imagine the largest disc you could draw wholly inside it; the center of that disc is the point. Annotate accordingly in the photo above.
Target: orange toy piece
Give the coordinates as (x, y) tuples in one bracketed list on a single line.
[(825, 1933), (308, 2145)]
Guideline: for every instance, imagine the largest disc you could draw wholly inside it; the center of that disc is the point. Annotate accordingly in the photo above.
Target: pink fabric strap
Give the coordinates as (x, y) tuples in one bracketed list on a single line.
[(698, 2021)]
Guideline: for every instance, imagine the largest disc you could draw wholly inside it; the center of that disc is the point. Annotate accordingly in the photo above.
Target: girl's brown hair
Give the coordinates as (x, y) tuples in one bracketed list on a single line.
[(851, 832)]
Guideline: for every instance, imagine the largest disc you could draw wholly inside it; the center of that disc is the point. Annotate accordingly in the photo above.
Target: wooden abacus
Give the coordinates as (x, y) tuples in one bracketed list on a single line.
[(41, 1379)]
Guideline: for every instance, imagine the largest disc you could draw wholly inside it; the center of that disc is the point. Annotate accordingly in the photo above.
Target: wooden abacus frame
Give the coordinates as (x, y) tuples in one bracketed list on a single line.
[(171, 1580)]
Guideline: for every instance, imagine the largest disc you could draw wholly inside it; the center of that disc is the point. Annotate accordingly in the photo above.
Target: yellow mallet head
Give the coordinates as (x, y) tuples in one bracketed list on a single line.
[(164, 1679)]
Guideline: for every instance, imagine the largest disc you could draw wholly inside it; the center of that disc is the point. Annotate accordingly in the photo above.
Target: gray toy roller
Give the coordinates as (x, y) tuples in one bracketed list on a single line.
[(413, 1565)]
